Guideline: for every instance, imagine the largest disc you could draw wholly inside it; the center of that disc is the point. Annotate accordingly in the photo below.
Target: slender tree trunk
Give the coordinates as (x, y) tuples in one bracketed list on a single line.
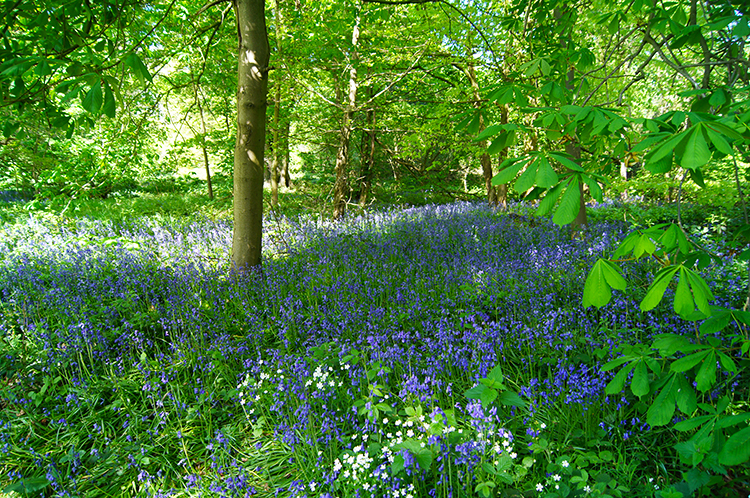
[(573, 148), (285, 157), (203, 145), (502, 190), (275, 175), (368, 159), (498, 196), (252, 86), (485, 160), (341, 185)]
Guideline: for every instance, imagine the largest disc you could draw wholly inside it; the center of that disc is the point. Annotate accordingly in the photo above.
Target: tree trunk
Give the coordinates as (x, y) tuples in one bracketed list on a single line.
[(252, 86), (581, 219), (341, 185), (485, 160), (285, 157), (203, 145), (275, 175), (573, 148), (368, 159)]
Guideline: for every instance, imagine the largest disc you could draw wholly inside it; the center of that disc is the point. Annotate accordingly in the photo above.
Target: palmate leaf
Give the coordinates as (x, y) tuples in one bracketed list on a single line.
[(109, 105), (604, 276), (683, 300), (545, 175), (657, 287), (666, 149), (701, 292), (501, 142), (510, 169), (490, 131), (549, 200), (686, 399), (695, 153), (569, 204), (528, 177), (719, 142), (662, 409), (139, 68), (617, 384), (92, 102), (640, 384), (706, 376)]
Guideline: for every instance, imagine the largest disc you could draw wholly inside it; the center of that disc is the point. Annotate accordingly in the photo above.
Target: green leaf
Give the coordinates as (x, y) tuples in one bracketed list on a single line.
[(526, 180), (727, 363), (398, 464), (43, 68), (644, 245), (509, 172), (661, 166), (683, 300), (496, 376), (489, 132), (569, 204), (687, 362), (686, 399), (510, 398), (110, 105), (611, 365), (640, 385), (717, 322), (719, 142), (701, 292), (732, 420), (92, 102), (29, 485), (487, 397), (692, 423), (736, 450), (140, 70), (617, 384), (549, 200), (603, 276), (666, 149), (706, 376), (504, 140), (566, 161), (661, 410), (696, 153), (594, 188), (669, 344), (545, 175), (424, 459), (657, 288)]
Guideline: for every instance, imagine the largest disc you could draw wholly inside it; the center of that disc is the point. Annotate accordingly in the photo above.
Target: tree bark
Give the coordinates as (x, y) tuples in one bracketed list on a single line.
[(275, 175), (285, 157), (485, 159), (252, 85), (573, 148), (203, 144), (368, 159), (341, 185)]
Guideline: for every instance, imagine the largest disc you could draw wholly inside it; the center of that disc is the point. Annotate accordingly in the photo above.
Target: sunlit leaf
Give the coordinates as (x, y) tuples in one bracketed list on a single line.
[(569, 204), (657, 288)]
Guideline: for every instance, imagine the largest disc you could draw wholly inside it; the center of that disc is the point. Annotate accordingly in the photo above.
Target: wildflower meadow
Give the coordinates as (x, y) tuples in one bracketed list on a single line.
[(439, 351)]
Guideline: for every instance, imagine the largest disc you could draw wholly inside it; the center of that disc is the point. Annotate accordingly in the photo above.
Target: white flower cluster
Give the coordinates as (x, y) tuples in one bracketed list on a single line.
[(322, 378), (505, 445), (250, 385), (354, 465)]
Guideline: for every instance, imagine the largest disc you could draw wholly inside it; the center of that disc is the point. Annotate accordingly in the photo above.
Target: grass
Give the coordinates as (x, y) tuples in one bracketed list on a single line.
[(433, 351)]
